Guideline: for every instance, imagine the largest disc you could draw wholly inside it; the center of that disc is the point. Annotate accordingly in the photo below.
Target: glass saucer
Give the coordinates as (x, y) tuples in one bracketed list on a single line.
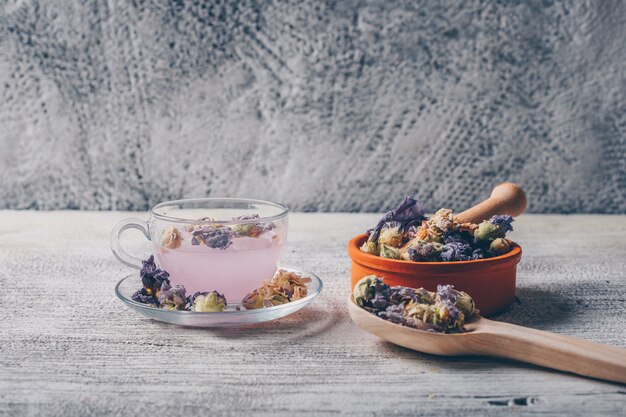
[(230, 317)]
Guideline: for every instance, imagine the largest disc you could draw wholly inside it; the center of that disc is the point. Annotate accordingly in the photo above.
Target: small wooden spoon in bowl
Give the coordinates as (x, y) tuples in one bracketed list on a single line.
[(492, 338)]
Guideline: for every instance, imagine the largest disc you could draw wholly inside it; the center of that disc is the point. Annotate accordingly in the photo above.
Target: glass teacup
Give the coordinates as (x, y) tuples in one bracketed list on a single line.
[(226, 244)]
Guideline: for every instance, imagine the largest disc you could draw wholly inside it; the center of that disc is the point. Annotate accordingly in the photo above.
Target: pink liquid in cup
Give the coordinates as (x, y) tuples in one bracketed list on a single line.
[(234, 271)]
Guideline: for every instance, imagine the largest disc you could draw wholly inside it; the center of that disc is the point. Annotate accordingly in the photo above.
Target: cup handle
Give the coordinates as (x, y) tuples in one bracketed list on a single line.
[(116, 248)]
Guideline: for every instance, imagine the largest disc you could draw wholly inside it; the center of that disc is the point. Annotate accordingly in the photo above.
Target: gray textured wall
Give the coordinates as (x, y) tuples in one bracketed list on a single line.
[(321, 105)]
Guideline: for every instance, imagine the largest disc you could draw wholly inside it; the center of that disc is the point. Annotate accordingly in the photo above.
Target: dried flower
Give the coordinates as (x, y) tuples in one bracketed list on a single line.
[(444, 310), (499, 246), (389, 252), (363, 290), (409, 212), (213, 237), (152, 277), (503, 223), (172, 298), (372, 293), (402, 295), (486, 231), (370, 247), (171, 238), (425, 251), (253, 301), (442, 221), (391, 237), (247, 229), (393, 313), (456, 251), (284, 287), (207, 302), (142, 296)]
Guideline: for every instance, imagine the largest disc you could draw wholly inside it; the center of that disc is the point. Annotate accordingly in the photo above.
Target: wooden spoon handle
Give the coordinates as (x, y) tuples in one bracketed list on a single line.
[(550, 350), (506, 198)]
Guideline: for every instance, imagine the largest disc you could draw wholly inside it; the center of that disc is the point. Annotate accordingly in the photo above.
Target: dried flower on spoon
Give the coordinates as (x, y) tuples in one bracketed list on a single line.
[(445, 310)]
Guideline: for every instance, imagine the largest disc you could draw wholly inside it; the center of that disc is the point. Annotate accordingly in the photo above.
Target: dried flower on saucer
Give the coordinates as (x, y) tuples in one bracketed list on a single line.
[(284, 287), (142, 296), (172, 298), (206, 302), (171, 238), (152, 277)]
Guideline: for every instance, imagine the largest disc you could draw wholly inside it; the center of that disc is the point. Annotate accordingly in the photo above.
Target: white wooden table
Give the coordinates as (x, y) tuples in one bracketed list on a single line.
[(68, 347)]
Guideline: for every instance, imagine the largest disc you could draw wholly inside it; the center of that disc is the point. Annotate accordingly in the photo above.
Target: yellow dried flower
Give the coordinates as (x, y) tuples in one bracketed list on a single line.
[(171, 238), (284, 287), (391, 237)]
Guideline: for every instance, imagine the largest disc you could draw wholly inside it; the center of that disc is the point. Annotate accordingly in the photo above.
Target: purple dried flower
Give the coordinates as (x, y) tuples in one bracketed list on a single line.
[(152, 277), (142, 296), (425, 251), (447, 292), (402, 295), (172, 298), (477, 254), (213, 237), (503, 223), (380, 300), (393, 313), (408, 213), (456, 251)]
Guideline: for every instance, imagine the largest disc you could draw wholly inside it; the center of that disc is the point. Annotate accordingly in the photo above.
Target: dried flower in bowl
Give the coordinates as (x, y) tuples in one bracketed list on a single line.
[(405, 233)]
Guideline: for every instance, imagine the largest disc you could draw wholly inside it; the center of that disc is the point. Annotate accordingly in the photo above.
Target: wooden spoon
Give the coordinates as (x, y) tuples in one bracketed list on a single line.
[(492, 338), (506, 198)]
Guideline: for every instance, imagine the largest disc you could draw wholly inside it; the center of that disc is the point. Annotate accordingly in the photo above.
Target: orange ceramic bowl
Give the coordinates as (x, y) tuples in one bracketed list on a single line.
[(490, 282)]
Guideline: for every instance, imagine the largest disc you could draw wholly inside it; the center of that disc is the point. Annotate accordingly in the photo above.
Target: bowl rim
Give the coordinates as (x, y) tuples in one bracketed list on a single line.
[(357, 255)]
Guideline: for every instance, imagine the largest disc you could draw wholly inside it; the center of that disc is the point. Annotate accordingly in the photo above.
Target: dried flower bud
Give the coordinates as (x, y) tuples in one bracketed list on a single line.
[(391, 237), (213, 236), (465, 303), (503, 223), (499, 246), (152, 277), (142, 296), (486, 231), (212, 302), (425, 251), (370, 247), (441, 221), (172, 298), (389, 252), (171, 238), (284, 287), (253, 301), (363, 290), (248, 229)]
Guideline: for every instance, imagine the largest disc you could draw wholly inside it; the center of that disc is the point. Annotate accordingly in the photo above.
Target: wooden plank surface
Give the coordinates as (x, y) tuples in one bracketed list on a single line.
[(69, 347)]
